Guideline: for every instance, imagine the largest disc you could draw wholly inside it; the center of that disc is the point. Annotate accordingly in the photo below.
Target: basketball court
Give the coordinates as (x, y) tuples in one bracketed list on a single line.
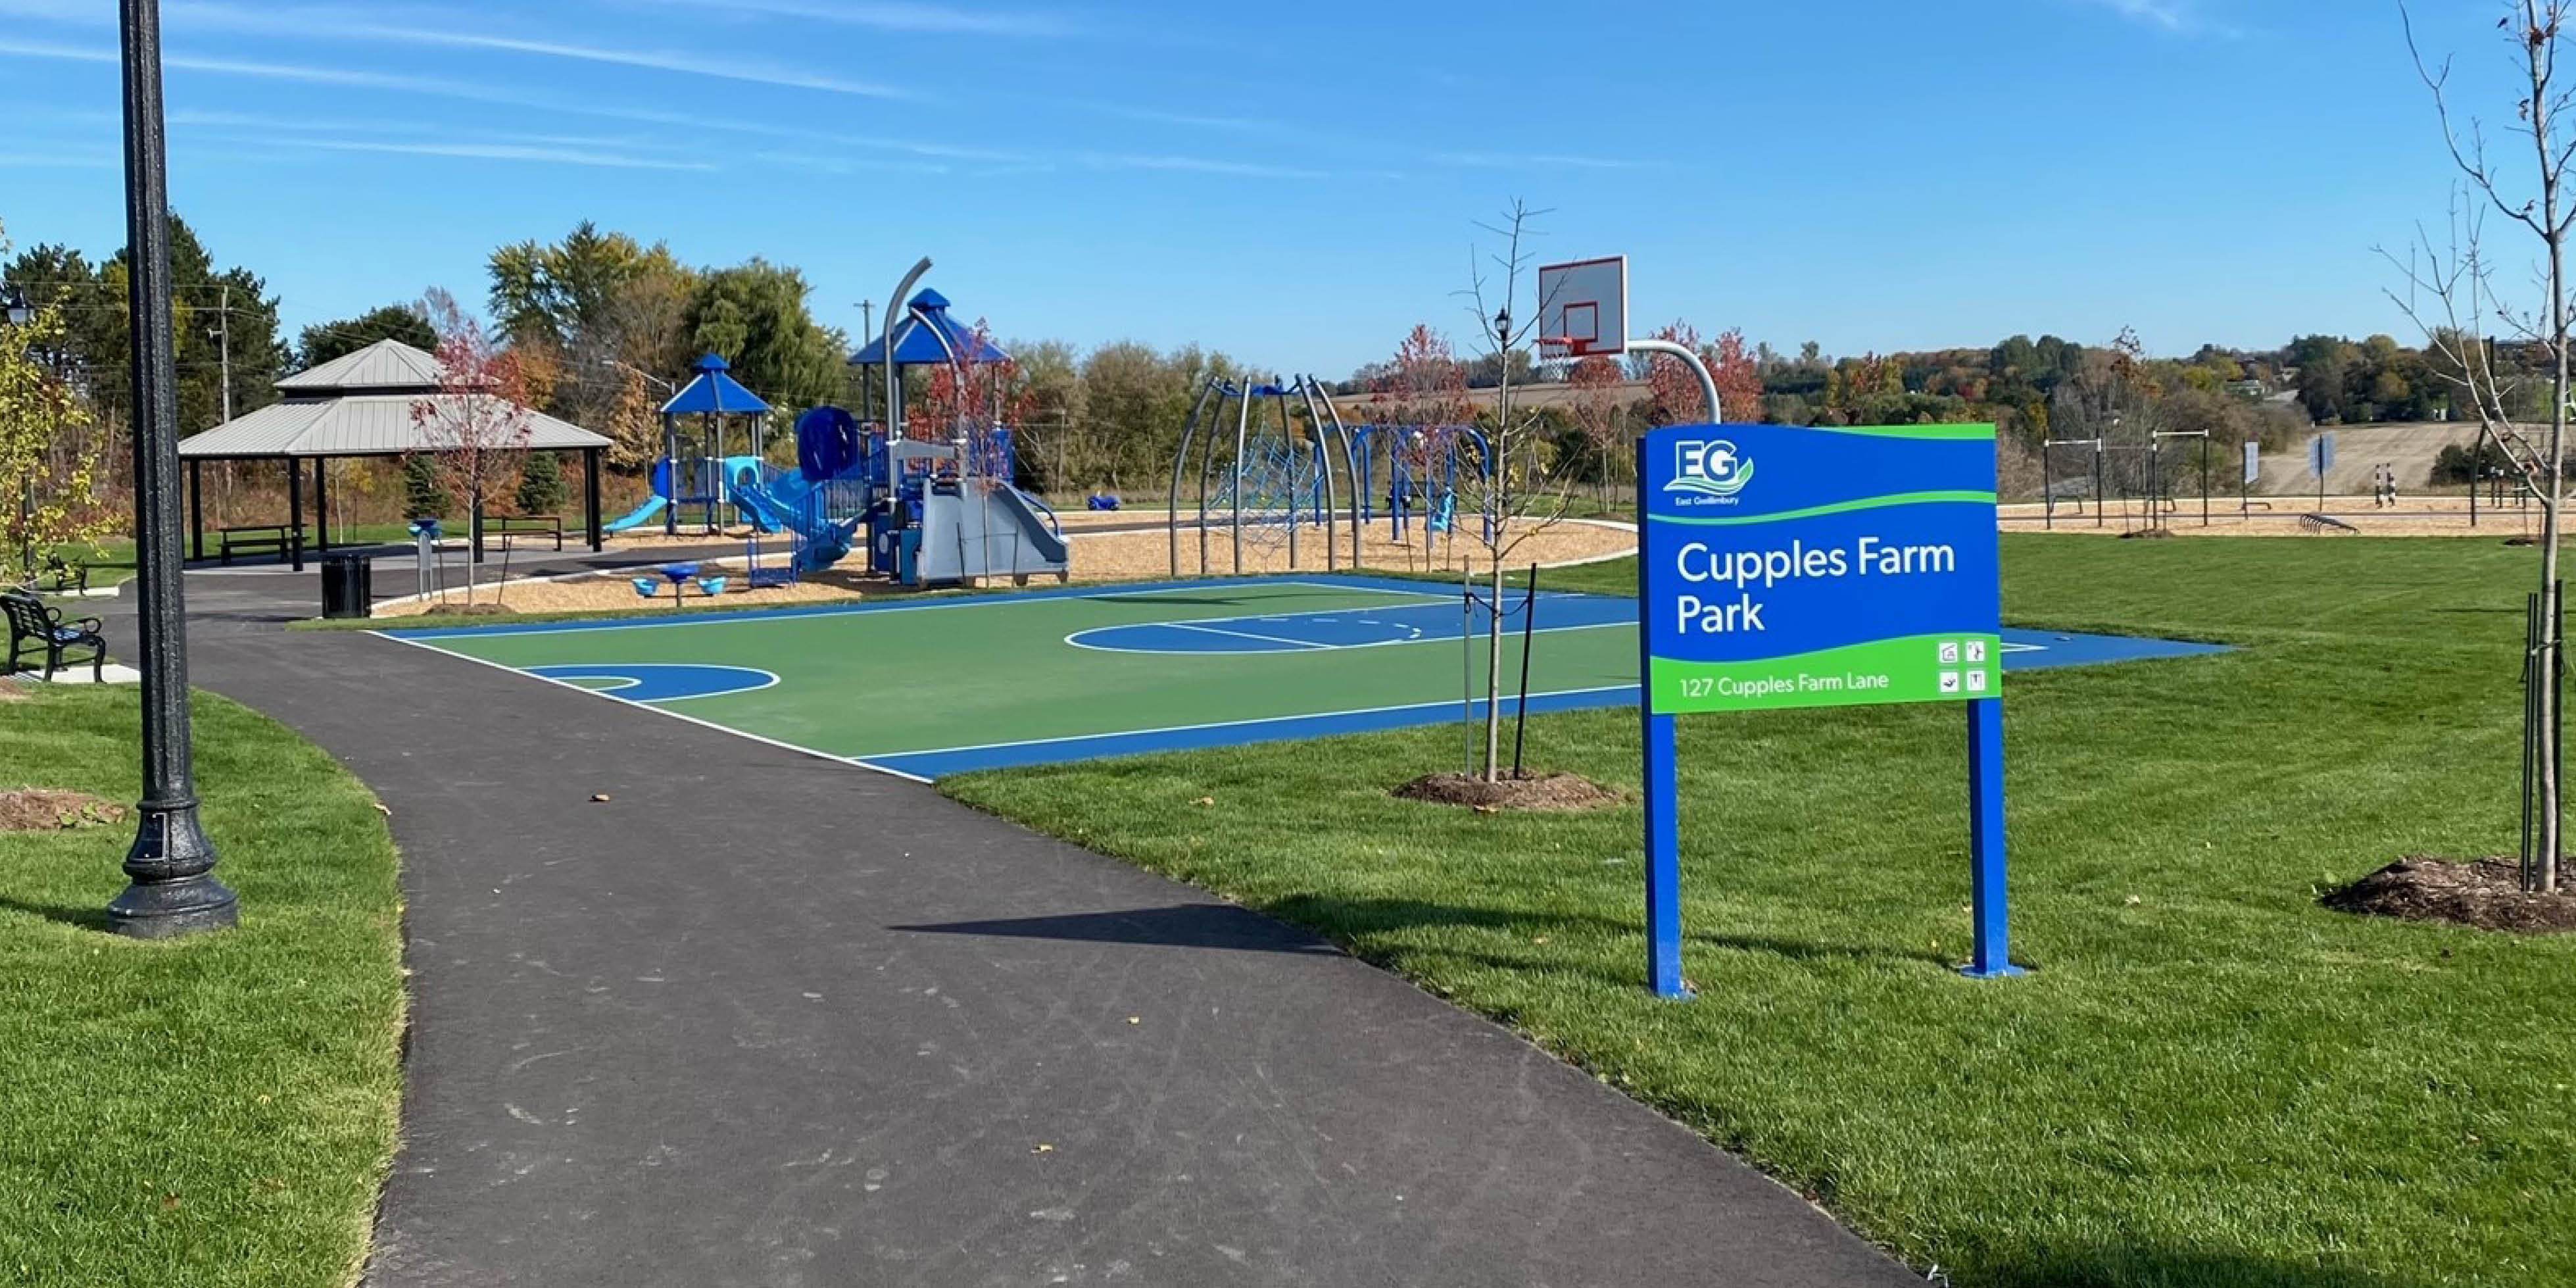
[(941, 686)]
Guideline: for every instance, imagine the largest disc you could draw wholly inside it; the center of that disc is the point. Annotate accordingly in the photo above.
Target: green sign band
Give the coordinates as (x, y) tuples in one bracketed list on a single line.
[(1915, 668), (1838, 507)]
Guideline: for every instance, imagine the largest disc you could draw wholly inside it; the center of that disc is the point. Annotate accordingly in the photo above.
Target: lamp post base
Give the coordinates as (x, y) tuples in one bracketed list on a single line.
[(174, 890)]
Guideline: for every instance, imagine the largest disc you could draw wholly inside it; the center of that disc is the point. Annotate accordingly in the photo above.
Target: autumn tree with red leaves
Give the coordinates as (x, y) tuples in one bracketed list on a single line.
[(475, 428), (970, 396), (1739, 377), (1599, 417)]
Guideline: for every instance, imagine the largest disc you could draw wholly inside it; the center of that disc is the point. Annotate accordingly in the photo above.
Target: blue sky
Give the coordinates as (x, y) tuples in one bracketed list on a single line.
[(1297, 183)]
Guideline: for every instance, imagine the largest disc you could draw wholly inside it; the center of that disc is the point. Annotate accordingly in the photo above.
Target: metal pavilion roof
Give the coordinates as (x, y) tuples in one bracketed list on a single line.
[(360, 425), (360, 404), (387, 366)]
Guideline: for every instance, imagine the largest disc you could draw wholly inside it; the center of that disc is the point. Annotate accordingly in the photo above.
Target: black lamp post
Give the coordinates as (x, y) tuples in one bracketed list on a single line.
[(15, 310), (171, 865)]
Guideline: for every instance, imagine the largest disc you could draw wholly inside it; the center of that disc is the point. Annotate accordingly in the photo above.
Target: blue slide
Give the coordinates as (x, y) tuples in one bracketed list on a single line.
[(640, 516), (784, 509)]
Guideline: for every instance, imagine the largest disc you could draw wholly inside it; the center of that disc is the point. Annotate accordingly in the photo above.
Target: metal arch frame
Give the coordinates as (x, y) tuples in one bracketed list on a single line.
[(1180, 466), (1307, 388), (1201, 436)]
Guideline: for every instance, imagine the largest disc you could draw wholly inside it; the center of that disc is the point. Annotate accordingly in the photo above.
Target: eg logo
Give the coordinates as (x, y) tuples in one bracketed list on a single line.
[(1709, 467)]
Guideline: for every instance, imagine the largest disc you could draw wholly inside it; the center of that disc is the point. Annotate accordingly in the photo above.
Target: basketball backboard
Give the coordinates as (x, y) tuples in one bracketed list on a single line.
[(1583, 308)]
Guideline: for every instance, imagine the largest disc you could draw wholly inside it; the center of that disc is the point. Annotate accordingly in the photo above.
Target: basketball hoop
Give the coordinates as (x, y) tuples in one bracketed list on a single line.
[(1583, 309)]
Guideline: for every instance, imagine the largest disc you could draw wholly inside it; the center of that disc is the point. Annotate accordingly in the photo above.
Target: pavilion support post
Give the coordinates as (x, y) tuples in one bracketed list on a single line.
[(322, 504), (295, 514), (590, 498), (197, 509)]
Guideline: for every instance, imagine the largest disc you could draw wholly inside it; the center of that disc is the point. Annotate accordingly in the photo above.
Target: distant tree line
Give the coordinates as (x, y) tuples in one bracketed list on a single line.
[(602, 324)]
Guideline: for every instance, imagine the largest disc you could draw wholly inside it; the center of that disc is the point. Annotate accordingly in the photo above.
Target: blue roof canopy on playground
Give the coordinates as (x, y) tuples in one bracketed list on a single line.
[(714, 392), (928, 337)]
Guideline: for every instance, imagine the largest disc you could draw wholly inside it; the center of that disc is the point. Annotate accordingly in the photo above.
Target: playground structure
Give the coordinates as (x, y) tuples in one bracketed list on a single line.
[(1292, 474), (945, 505), (932, 512), (1279, 475), (702, 476)]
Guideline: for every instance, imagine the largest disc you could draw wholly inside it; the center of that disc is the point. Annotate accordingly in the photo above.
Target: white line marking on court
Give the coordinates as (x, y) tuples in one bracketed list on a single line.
[(1228, 724), (751, 616), (632, 681), (1219, 630), (1075, 640), (852, 761)]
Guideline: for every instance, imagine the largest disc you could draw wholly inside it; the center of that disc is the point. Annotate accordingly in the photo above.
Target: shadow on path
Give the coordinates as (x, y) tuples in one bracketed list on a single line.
[(1182, 925)]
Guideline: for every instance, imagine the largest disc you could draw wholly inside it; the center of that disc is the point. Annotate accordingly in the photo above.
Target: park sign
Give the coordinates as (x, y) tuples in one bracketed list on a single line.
[(1782, 566), (1797, 567)]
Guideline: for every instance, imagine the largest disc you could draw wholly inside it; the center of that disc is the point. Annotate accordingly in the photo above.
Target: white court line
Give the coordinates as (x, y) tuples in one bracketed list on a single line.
[(1443, 703), (770, 682), (1075, 640), (754, 616), (1212, 630), (603, 696)]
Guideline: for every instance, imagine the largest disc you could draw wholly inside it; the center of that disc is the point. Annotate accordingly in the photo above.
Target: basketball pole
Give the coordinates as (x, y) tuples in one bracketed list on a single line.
[(1707, 382)]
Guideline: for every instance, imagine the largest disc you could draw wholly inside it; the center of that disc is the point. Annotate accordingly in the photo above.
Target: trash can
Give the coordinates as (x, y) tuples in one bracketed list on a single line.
[(348, 585)]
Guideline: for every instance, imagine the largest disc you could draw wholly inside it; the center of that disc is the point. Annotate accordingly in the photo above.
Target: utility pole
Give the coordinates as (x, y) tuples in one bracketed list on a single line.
[(224, 344)]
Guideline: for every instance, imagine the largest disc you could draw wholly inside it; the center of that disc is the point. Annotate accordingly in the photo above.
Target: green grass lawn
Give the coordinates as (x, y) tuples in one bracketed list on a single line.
[(216, 1111), (2208, 1081)]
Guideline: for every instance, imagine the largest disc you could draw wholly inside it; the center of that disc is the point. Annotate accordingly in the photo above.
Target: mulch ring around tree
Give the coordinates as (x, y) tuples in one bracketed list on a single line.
[(2486, 893), (1539, 792), (54, 809)]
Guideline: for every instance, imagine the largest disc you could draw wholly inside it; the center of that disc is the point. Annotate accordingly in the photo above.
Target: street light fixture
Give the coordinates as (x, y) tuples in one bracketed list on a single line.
[(173, 889), (639, 373), (14, 306)]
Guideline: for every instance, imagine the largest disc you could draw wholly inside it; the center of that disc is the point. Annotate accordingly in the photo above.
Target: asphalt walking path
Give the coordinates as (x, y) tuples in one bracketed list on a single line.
[(760, 1018)]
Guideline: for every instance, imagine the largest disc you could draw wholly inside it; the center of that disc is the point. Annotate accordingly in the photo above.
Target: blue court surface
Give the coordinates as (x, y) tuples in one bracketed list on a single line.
[(931, 686)]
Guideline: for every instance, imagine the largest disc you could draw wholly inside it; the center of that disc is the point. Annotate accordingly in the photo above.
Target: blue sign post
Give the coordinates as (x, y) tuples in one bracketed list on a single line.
[(1791, 567)]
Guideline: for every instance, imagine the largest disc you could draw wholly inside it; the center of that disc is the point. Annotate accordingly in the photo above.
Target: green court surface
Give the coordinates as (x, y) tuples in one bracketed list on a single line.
[(926, 687), (931, 687)]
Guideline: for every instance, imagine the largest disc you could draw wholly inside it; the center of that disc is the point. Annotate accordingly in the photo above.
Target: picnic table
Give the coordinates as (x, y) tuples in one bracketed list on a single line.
[(248, 537), (541, 524)]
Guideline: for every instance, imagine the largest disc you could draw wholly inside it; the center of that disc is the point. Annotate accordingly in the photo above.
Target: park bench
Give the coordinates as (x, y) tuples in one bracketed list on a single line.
[(68, 578), (31, 624), (272, 537), (540, 524)]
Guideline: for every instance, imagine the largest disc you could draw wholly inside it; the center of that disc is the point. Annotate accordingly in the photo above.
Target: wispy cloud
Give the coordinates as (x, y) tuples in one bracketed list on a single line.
[(61, 160), (689, 64), (2181, 17), (814, 164), (1194, 165), (1531, 161), (452, 31), (475, 151), (526, 149), (913, 19), (199, 119)]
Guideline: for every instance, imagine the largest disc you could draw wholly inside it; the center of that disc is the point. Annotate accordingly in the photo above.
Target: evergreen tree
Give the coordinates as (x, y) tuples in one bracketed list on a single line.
[(423, 497), (541, 484)]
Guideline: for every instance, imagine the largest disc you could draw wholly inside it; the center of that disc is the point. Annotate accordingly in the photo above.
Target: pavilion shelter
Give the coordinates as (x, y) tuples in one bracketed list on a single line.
[(359, 405)]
